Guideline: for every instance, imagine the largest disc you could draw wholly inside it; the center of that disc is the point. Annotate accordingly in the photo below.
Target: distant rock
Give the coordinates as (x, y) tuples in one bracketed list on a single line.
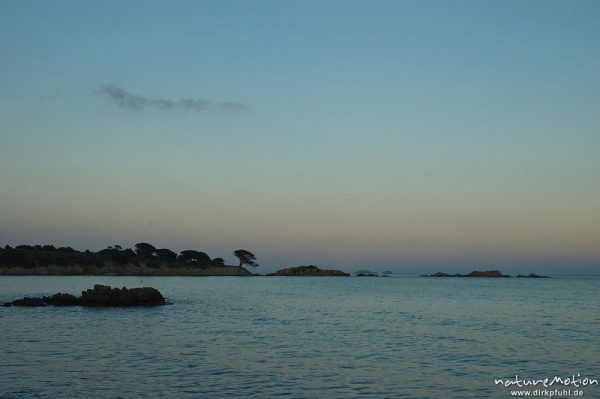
[(387, 273), (440, 274), (366, 273), (100, 295), (307, 271), (532, 275), (487, 273)]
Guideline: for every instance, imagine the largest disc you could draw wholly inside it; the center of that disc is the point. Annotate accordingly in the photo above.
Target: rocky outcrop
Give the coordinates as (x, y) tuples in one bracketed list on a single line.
[(61, 299), (103, 295), (100, 295), (487, 273), (532, 275), (440, 274), (366, 273), (476, 273), (307, 271)]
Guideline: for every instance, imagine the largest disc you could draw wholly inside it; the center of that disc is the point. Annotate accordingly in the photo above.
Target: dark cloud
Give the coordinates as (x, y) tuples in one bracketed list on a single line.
[(232, 105), (125, 99)]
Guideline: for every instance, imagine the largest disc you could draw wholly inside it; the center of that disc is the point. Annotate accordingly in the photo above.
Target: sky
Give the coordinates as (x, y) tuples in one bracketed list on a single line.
[(415, 136)]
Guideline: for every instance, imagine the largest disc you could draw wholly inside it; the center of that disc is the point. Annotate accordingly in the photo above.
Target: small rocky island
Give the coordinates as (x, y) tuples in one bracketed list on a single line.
[(308, 271), (100, 295), (366, 273), (532, 275), (486, 273)]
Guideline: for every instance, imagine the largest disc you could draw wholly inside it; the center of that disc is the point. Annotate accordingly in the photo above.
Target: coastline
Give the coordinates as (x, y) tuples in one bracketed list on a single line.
[(123, 270)]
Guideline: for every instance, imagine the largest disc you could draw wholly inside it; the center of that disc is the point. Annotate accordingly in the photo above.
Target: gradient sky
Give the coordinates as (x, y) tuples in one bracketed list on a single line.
[(414, 136)]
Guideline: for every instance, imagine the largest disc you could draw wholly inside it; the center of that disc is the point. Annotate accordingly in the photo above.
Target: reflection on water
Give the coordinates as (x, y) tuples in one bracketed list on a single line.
[(300, 338)]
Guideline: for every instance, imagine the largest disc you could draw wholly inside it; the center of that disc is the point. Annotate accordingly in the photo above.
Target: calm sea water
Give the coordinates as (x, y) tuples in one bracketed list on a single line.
[(266, 337)]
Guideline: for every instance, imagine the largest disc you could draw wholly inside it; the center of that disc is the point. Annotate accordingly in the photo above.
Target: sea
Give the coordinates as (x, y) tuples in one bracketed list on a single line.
[(305, 337)]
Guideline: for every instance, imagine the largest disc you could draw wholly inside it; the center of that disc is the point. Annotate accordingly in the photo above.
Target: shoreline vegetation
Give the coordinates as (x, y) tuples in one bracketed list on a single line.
[(144, 260), (123, 270)]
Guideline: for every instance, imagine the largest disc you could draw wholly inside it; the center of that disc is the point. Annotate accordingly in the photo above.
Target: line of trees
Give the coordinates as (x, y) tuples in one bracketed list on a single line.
[(190, 257), (143, 252)]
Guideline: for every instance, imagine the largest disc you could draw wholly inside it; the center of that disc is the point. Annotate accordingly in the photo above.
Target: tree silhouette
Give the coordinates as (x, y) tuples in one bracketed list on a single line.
[(218, 262), (195, 257), (245, 257), (144, 249), (166, 255)]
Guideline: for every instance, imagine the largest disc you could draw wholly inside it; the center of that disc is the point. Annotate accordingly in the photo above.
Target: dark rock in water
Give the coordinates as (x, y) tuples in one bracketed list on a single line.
[(366, 273), (103, 295), (307, 271), (387, 273), (440, 274), (487, 273), (29, 302), (100, 295), (532, 275), (61, 299)]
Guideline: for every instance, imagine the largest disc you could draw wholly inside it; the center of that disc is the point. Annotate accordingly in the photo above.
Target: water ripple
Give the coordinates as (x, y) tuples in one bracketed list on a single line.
[(299, 338)]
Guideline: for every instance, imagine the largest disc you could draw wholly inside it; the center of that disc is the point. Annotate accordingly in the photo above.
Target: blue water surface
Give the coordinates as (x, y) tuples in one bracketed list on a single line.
[(300, 337)]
